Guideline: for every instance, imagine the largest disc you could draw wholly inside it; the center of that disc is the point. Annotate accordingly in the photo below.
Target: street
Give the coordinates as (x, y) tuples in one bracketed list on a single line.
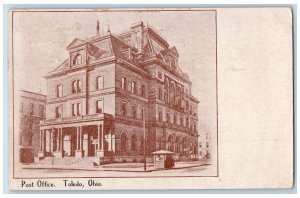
[(115, 170)]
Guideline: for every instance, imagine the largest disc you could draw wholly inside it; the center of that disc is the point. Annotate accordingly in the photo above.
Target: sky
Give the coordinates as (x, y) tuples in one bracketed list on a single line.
[(40, 40)]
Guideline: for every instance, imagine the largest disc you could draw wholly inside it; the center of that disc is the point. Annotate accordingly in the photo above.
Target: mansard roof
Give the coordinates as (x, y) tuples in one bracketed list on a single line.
[(109, 45), (122, 46)]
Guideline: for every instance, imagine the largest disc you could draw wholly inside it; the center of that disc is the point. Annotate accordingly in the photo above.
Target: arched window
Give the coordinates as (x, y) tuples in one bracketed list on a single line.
[(177, 145), (184, 146), (170, 143), (166, 90), (159, 140), (172, 98), (178, 91), (172, 87), (124, 142), (77, 59), (133, 142), (166, 85)]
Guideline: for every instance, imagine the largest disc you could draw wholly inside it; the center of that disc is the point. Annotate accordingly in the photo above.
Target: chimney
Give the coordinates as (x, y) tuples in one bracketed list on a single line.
[(98, 28), (137, 36)]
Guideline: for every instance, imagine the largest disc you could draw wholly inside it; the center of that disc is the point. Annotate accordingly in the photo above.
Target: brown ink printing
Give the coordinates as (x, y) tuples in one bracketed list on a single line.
[(110, 100)]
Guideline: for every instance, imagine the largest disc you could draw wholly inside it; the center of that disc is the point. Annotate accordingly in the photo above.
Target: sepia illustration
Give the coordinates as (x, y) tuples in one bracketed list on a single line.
[(108, 94)]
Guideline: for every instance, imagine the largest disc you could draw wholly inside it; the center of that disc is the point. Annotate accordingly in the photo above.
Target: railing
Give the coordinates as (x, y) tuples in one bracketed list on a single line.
[(78, 118)]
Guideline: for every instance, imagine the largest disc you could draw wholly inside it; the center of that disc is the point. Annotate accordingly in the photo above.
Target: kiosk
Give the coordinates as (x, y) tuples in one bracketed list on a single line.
[(163, 159)]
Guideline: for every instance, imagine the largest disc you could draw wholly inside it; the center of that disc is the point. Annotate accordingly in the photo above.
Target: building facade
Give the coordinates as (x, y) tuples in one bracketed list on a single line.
[(32, 111), (111, 88), (204, 145)]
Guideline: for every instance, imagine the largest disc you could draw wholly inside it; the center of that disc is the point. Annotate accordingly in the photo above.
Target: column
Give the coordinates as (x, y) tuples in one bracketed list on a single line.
[(81, 138), (41, 147), (100, 151), (99, 139), (77, 139), (102, 137), (78, 152), (52, 141), (57, 140), (61, 140), (44, 140), (58, 152), (41, 152), (49, 149)]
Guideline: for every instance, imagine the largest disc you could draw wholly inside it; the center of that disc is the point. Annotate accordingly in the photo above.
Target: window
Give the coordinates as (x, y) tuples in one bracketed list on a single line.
[(76, 109), (207, 144), (166, 96), (79, 85), (58, 111), (168, 117), (30, 140), (30, 124), (143, 91), (175, 119), (124, 142), (187, 104), (160, 93), (59, 91), (172, 98), (123, 83), (123, 109), (187, 122), (41, 110), (160, 115), (133, 87), (181, 121), (177, 102), (77, 59), (99, 106), (31, 110), (133, 111), (76, 86), (99, 82), (133, 142), (159, 144)]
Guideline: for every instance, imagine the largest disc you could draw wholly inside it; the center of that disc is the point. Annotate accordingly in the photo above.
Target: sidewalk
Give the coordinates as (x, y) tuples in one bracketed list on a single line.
[(120, 167)]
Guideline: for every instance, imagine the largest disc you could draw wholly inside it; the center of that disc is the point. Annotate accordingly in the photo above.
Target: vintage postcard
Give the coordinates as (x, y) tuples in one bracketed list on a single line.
[(150, 99)]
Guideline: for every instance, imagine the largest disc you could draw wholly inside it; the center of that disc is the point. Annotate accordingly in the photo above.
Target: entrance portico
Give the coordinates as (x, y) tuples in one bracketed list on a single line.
[(81, 138)]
